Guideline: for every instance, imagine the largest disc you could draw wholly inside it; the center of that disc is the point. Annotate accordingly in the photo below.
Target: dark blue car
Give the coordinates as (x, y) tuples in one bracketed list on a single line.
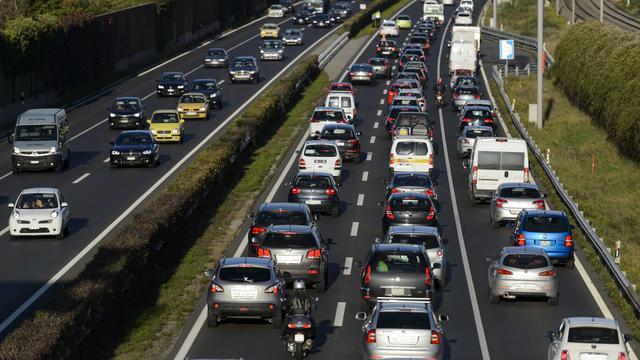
[(547, 229)]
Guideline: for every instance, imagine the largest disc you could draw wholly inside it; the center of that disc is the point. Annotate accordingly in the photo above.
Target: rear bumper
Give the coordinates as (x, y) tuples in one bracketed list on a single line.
[(327, 204), (547, 288), (242, 309), (303, 273), (370, 296)]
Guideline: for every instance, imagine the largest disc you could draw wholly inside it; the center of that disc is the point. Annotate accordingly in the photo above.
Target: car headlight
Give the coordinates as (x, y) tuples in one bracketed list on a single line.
[(202, 108), (261, 51), (160, 87), (112, 115), (154, 131), (175, 131), (232, 72), (207, 59), (280, 51), (147, 152), (252, 72), (16, 214), (180, 86), (137, 114), (180, 108), (54, 214), (53, 149), (16, 150), (115, 152), (214, 95)]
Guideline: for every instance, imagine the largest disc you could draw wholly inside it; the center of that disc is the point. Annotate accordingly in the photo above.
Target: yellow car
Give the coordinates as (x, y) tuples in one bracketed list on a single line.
[(270, 30), (166, 126), (193, 106), (404, 21)]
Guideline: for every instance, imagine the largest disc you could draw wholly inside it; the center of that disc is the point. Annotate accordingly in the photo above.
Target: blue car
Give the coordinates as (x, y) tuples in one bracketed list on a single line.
[(547, 229)]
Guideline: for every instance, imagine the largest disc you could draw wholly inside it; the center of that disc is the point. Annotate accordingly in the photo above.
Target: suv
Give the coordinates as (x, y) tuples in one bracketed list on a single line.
[(245, 287), (321, 155), (244, 68), (407, 208), (411, 182), (300, 252), (318, 190), (396, 270), (346, 137), (171, 84), (548, 229), (126, 113), (276, 214)]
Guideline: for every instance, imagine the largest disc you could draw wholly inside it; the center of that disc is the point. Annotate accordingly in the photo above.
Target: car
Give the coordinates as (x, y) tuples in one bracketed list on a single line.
[(245, 287), (411, 182), (407, 329), (486, 104), (335, 16), (393, 113), (343, 8), (394, 89), (412, 124), (272, 50), (193, 106), (417, 52), (421, 40), (318, 190), (323, 116), (302, 17), (463, 18), (476, 116), (362, 73), (427, 236), (321, 20), (345, 101), (244, 68), (401, 271), (410, 75), (463, 93), (323, 156), (468, 137), (511, 198), (216, 57), (275, 11), (171, 84), (522, 272), (411, 154), (389, 28), (405, 58), (287, 5), (134, 148), (404, 22), (346, 138), (269, 31), (166, 126), (416, 93), (408, 208), (210, 88), (126, 113), (342, 86), (388, 48), (583, 337), (458, 80), (417, 68), (409, 79), (39, 212), (292, 37), (468, 4), (381, 67), (547, 229), (300, 251), (405, 101), (276, 214)]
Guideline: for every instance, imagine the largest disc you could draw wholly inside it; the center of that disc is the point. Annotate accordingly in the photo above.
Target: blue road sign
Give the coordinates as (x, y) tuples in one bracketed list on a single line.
[(507, 49)]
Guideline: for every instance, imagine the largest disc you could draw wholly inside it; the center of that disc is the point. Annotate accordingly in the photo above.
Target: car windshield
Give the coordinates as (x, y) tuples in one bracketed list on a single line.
[(409, 102), (271, 44), (465, 81), (525, 261), (337, 134), (387, 43), (413, 119), (360, 67), (204, 85), (243, 63), (276, 7), (477, 113), (320, 150), (423, 181), (409, 203), (403, 320), (310, 182), (417, 52), (399, 262), (418, 40), (37, 201), (328, 115), (474, 133), (428, 241), (395, 110), (292, 32), (412, 148), (216, 52), (171, 77), (593, 335), (126, 104), (340, 87), (377, 61), (269, 26), (192, 99), (134, 139), (244, 274), (281, 217), (548, 224), (165, 118), (36, 133), (289, 240), (403, 17), (519, 193)]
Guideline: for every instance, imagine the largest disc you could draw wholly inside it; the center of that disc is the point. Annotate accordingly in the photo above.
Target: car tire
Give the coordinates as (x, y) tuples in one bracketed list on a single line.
[(335, 212), (59, 166), (60, 236), (570, 264), (276, 321), (322, 285), (472, 200), (212, 320), (493, 223), (66, 230), (66, 161), (440, 284), (493, 299), (181, 140), (553, 300)]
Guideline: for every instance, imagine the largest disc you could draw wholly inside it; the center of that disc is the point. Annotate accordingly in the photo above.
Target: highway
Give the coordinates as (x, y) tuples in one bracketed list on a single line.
[(477, 329), (101, 197)]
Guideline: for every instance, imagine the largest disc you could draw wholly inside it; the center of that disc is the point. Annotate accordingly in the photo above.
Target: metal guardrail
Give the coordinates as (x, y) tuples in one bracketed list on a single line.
[(626, 288), (526, 42), (330, 52), (516, 71)]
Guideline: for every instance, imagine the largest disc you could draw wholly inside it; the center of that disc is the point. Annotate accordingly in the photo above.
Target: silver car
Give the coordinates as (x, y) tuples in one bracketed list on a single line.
[(216, 57), (292, 37), (402, 329), (468, 137), (522, 271), (588, 338), (510, 199), (39, 212), (245, 287), (463, 93), (272, 50), (427, 236)]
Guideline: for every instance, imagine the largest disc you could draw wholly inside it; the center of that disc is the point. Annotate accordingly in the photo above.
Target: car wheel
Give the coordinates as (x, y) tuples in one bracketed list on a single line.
[(66, 230), (493, 298), (553, 300), (472, 200), (60, 236), (66, 161), (335, 212), (276, 322), (440, 283), (219, 105), (493, 223), (181, 139), (212, 320), (322, 285), (59, 166), (570, 264)]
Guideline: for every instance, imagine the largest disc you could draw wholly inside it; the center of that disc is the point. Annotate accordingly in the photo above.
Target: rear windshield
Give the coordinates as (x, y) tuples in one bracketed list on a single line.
[(412, 148), (467, 90), (519, 193), (465, 81), (418, 40), (278, 217), (416, 52), (328, 115), (525, 261), (395, 110), (215, 52), (409, 119), (477, 113), (545, 224), (501, 160), (412, 180), (593, 335), (289, 240), (403, 320), (387, 43), (336, 133), (428, 241), (320, 150), (377, 61), (339, 101), (244, 274), (410, 203), (399, 262), (313, 182), (472, 134)]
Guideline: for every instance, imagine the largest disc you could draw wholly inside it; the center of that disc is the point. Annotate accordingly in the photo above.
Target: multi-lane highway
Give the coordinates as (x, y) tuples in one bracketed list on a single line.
[(101, 197), (477, 329)]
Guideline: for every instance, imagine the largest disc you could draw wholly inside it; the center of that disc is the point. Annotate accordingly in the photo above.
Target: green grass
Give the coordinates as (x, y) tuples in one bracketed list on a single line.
[(386, 14), (633, 8), (155, 331)]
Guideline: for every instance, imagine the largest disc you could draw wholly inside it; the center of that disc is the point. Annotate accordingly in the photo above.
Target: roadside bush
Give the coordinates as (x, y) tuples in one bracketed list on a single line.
[(362, 19), (597, 67), (124, 266)]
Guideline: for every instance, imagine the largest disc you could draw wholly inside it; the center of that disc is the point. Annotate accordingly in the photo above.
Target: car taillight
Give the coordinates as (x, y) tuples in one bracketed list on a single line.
[(264, 252), (295, 191), (564, 355), (500, 202), (488, 120), (521, 240), (393, 49), (351, 73), (568, 241), (371, 336), (427, 276), (435, 338), (370, 74), (354, 141), (466, 120), (474, 178), (455, 95), (388, 213), (312, 120), (526, 174), (275, 290), (291, 325), (539, 204), (432, 214), (255, 230), (338, 164), (430, 160), (302, 164), (429, 192), (313, 254), (547, 273), (466, 141), (367, 275), (391, 159), (502, 271), (330, 191), (476, 96), (216, 288), (622, 356), (391, 120)]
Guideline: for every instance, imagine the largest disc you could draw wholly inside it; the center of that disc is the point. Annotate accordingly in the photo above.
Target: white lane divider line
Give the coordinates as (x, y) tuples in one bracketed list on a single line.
[(4, 231), (106, 160), (369, 156), (81, 178), (220, 82), (379, 113), (384, 92), (365, 175), (339, 319), (375, 125), (388, 82), (360, 200), (381, 101), (354, 228), (348, 263), (373, 140), (6, 175)]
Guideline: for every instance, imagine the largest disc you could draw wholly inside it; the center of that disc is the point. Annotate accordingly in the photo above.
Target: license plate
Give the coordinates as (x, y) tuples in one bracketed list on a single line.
[(170, 90), (397, 292), (319, 161), (299, 338), (340, 144), (124, 120), (592, 356), (288, 259), (526, 287), (131, 158), (192, 113), (243, 294), (34, 161), (312, 202), (545, 242)]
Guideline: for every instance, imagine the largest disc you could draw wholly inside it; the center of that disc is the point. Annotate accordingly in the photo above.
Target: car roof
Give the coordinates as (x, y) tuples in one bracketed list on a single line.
[(475, 107), (244, 58), (551, 213), (216, 48), (166, 111), (535, 250), (303, 229), (413, 229), (313, 174), (320, 142), (398, 247), (412, 194), (192, 94), (127, 98), (586, 321), (417, 173), (172, 73), (39, 190), (412, 137), (328, 108), (256, 261), (205, 80), (394, 306), (518, 184), (281, 206), (146, 132)]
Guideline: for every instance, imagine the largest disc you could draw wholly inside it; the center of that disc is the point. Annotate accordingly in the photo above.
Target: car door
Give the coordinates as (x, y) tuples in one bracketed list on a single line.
[(64, 210), (556, 344)]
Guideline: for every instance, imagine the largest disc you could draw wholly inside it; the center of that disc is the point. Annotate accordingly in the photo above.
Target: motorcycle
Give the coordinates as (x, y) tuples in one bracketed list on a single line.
[(299, 334), (440, 99)]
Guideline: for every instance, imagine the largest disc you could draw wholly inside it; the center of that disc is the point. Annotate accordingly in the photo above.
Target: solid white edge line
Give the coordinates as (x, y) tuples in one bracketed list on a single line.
[(106, 160), (360, 201), (365, 175), (339, 318), (3, 231), (81, 178), (348, 264), (6, 175), (354, 228)]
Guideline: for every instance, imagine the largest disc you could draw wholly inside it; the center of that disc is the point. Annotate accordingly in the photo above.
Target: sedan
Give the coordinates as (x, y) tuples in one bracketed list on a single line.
[(362, 73), (134, 148), (272, 50), (409, 209), (193, 106), (292, 37), (302, 17), (244, 68), (599, 338), (408, 182), (387, 48), (216, 57), (321, 20), (318, 190), (463, 93), (210, 89), (171, 84), (126, 112), (39, 212), (381, 67), (347, 139), (468, 137), (276, 214), (476, 116), (511, 198), (275, 11)]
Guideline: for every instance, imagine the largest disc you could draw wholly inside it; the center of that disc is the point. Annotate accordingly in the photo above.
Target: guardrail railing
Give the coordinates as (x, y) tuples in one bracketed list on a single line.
[(525, 42), (330, 52)]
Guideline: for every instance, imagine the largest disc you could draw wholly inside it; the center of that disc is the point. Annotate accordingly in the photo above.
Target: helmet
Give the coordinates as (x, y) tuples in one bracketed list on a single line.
[(439, 81), (299, 285)]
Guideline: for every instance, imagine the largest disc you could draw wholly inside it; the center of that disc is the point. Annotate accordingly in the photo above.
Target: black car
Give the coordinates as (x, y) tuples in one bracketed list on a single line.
[(244, 68), (413, 124), (276, 214), (476, 116), (421, 40), (346, 137), (411, 182), (409, 208), (210, 89), (321, 20), (393, 113), (302, 17), (316, 189), (126, 113), (171, 84), (335, 16), (287, 5), (343, 8), (134, 148), (387, 48)]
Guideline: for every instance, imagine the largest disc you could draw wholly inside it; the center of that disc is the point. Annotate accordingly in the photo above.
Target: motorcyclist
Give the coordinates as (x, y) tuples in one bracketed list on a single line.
[(439, 87), (300, 301)]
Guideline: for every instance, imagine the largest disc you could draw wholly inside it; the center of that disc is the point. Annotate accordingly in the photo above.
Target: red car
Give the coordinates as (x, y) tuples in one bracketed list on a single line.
[(342, 86)]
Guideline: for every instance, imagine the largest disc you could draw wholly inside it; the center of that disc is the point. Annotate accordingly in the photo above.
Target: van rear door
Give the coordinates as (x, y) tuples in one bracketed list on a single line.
[(497, 167)]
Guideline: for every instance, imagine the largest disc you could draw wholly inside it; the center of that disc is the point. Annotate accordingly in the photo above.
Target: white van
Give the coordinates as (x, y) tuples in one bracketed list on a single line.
[(411, 154), (494, 161), (343, 100), (321, 155)]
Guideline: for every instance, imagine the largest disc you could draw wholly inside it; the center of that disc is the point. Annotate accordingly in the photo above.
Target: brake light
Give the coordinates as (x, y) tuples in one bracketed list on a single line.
[(313, 254), (388, 213), (547, 273), (568, 241), (354, 141), (521, 240), (476, 96), (338, 164), (430, 161), (264, 252), (370, 74), (564, 355), (295, 191), (432, 214), (352, 74), (539, 203), (488, 120), (474, 178), (391, 159), (216, 288), (371, 336), (429, 192), (502, 271), (367, 276), (393, 49), (455, 95), (435, 338), (306, 326), (622, 356), (302, 164), (526, 174), (330, 191), (500, 202), (291, 325), (275, 290), (427, 276), (466, 120), (466, 141), (439, 253), (255, 230)]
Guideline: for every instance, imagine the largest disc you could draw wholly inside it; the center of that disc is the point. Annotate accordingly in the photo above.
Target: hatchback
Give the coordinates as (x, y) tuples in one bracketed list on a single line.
[(346, 137), (510, 199), (362, 73), (39, 212), (318, 190), (394, 89), (408, 208), (548, 229), (276, 214), (321, 155), (408, 182), (476, 116), (463, 93), (387, 48), (381, 66), (588, 338), (389, 28), (468, 137)]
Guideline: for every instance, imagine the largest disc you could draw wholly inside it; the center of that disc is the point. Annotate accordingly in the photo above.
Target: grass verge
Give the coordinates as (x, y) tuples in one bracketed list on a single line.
[(386, 14), (153, 333), (632, 9)]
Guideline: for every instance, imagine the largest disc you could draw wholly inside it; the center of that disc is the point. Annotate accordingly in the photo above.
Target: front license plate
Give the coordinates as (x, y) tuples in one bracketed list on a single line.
[(545, 242), (312, 202), (397, 292), (170, 90), (131, 158), (299, 338), (192, 113), (34, 161)]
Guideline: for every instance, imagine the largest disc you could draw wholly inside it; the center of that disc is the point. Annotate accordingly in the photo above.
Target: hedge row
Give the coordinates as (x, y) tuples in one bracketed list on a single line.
[(363, 19), (124, 266), (598, 69)]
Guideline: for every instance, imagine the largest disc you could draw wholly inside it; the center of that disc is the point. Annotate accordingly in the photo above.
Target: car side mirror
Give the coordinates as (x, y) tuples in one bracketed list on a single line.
[(10, 205), (12, 138), (209, 273), (361, 316), (377, 240), (551, 335), (64, 204), (359, 133), (628, 337), (443, 318)]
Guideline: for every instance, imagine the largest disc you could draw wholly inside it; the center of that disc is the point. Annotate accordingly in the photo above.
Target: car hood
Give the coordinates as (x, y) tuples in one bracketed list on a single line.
[(35, 145), (163, 126), (191, 106), (28, 214), (171, 83), (125, 112), (272, 50), (123, 148), (291, 36), (243, 68)]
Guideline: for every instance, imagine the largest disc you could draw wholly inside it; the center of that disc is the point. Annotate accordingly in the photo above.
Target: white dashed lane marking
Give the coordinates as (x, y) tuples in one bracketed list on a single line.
[(365, 175), (360, 200), (354, 228), (348, 263), (81, 178)]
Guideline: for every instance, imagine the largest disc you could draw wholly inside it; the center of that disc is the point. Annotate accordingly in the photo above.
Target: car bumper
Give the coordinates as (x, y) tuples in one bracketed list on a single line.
[(386, 223), (245, 309), (371, 351), (483, 194), (47, 229), (361, 78), (35, 162), (215, 63), (242, 77), (387, 53), (315, 204), (292, 41), (370, 296), (170, 92), (502, 214), (125, 123), (271, 56), (167, 137), (310, 275), (547, 288), (140, 160), (328, 24), (193, 114)]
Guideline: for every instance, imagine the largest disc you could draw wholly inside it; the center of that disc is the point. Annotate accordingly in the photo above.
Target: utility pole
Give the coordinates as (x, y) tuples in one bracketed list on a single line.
[(495, 14), (573, 12), (540, 65), (601, 10)]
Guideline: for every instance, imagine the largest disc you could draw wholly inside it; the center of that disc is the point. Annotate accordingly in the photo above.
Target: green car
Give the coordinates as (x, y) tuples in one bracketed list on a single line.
[(404, 21)]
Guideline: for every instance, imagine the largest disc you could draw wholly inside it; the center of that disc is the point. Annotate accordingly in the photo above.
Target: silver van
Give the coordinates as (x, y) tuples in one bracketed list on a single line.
[(40, 140)]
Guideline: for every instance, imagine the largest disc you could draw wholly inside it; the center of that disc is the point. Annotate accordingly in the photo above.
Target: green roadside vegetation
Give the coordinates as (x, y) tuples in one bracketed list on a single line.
[(633, 8)]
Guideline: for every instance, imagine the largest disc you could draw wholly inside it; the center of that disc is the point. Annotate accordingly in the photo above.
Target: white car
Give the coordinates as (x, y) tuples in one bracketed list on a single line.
[(588, 338), (39, 212), (323, 156), (275, 11), (467, 4), (417, 93), (463, 18), (389, 28), (325, 115)]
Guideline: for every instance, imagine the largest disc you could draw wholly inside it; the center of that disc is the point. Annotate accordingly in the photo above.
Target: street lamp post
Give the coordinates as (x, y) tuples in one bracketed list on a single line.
[(540, 65), (495, 14)]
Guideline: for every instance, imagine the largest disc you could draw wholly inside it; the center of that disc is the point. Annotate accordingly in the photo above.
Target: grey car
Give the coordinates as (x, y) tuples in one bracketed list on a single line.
[(409, 208), (300, 251), (406, 329), (510, 199), (272, 50), (292, 37), (463, 93), (381, 67), (522, 271), (216, 57), (245, 287), (427, 236), (468, 137), (318, 190), (362, 73), (588, 338)]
